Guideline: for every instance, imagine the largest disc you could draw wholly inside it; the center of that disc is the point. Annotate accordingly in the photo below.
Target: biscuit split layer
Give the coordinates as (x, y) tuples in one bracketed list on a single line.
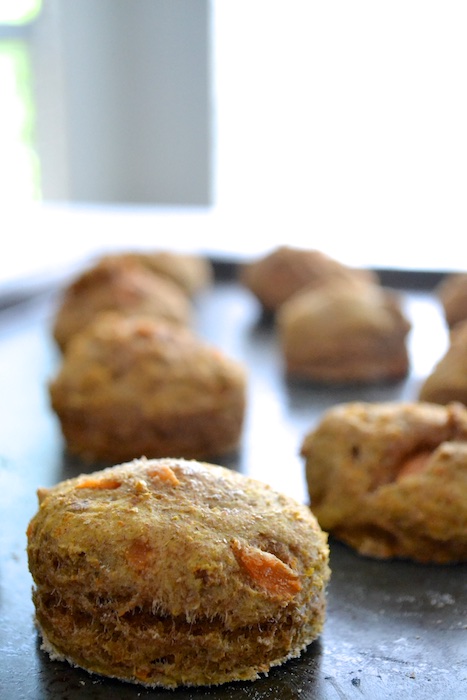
[(171, 572)]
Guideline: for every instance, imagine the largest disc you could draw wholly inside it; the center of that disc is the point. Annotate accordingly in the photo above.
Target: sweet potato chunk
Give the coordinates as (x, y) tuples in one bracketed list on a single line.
[(162, 472), (267, 571), (414, 465), (103, 483)]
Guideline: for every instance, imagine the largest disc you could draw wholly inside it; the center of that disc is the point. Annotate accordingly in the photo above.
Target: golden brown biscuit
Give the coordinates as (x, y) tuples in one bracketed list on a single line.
[(344, 334), (390, 479), (275, 277), (170, 572), (452, 293), (448, 380), (118, 285), (191, 272), (129, 387)]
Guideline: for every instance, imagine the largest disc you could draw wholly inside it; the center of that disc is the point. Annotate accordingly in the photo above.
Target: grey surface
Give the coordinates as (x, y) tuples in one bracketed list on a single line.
[(394, 629)]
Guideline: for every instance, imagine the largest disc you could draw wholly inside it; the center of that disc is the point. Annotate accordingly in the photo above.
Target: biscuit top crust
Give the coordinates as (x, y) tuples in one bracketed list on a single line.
[(286, 270), (402, 466), (117, 284), (335, 309), (384, 437), (150, 364), (190, 272), (182, 538)]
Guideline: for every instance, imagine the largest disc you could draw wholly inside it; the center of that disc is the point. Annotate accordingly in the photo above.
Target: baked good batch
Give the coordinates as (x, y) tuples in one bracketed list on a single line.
[(344, 333), (191, 272), (214, 577), (134, 386), (275, 277), (117, 284), (165, 571), (452, 293), (448, 379), (390, 479)]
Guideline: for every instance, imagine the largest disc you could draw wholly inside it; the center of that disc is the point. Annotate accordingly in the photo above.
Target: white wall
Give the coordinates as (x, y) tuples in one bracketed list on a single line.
[(343, 123)]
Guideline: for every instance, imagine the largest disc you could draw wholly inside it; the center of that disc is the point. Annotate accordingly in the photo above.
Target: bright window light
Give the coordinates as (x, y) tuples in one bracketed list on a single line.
[(349, 120), (19, 165), (18, 11)]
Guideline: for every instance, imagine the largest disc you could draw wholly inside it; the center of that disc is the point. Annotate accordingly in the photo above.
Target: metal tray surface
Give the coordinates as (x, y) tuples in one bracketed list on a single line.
[(394, 629)]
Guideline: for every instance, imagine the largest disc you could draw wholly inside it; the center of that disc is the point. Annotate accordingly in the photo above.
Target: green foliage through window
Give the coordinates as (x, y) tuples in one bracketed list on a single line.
[(19, 164)]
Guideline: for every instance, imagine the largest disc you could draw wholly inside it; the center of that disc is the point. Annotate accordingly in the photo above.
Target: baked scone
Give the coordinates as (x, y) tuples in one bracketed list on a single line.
[(452, 293), (119, 285), (448, 380), (171, 572), (343, 334), (390, 479), (134, 386), (191, 272), (275, 277)]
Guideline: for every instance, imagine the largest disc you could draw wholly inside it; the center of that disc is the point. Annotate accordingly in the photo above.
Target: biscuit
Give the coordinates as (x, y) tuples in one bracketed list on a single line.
[(129, 387), (343, 334), (286, 270), (448, 379), (191, 272), (390, 479), (452, 293), (118, 285), (171, 572)]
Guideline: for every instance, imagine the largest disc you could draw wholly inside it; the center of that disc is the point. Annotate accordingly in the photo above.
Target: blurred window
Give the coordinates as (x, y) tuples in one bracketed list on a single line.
[(19, 165)]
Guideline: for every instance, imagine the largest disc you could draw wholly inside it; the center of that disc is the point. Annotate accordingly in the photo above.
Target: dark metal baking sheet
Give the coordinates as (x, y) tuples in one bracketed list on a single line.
[(394, 629)]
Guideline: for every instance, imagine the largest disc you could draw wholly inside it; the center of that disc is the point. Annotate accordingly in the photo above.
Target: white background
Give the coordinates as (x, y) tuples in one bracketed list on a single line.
[(352, 118)]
